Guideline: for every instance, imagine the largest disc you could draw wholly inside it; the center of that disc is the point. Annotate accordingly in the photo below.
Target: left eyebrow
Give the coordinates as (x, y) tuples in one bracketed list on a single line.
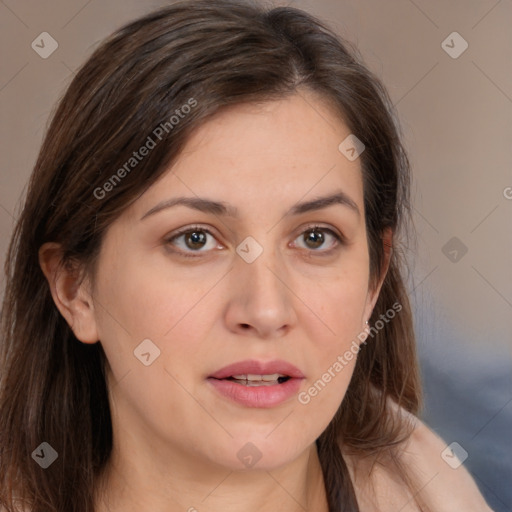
[(220, 208), (324, 202)]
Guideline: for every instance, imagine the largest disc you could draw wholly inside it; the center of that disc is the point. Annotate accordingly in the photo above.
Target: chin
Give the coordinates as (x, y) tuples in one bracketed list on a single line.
[(260, 451)]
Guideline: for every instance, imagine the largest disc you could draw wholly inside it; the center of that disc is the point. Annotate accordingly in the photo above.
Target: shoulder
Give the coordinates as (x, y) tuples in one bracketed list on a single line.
[(441, 481), (426, 482)]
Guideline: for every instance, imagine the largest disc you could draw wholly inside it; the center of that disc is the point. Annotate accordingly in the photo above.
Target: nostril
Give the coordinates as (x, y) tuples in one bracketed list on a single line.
[(245, 326)]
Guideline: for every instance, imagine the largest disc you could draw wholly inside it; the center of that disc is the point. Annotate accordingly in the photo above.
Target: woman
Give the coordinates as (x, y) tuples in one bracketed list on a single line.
[(204, 306)]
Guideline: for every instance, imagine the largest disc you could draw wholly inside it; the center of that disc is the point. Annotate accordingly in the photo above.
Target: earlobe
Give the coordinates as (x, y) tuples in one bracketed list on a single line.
[(70, 292)]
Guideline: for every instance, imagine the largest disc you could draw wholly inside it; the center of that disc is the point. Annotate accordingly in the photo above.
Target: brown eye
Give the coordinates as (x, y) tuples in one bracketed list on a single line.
[(318, 239), (314, 238), (195, 239)]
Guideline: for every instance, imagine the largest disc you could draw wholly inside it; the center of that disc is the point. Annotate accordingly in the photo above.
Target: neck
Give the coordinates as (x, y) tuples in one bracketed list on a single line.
[(128, 484)]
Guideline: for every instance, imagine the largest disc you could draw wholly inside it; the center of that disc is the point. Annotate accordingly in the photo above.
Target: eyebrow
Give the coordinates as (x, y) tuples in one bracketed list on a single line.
[(224, 209)]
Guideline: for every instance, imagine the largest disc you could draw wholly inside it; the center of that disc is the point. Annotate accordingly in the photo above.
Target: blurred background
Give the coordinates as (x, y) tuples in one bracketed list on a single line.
[(447, 67)]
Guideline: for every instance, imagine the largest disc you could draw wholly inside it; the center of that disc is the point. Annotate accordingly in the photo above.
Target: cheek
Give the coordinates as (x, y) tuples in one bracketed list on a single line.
[(175, 314), (336, 340), (143, 301), (339, 300)]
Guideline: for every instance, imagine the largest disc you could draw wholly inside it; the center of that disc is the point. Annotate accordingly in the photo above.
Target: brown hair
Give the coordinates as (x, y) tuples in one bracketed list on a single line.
[(217, 54)]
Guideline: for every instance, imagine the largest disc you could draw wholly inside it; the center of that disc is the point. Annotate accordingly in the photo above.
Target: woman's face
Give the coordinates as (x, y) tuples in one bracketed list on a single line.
[(272, 273)]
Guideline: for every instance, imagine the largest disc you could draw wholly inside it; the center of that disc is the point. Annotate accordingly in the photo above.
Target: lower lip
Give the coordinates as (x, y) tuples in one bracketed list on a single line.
[(257, 396)]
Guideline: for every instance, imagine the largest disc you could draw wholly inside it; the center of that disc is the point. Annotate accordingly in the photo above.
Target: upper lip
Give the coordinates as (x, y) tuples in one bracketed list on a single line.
[(258, 368)]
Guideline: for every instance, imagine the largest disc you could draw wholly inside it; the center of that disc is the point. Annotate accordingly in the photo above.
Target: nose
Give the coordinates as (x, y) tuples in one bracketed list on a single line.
[(260, 300)]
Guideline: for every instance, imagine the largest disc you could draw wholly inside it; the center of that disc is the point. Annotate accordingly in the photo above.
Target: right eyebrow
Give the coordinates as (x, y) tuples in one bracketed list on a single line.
[(196, 203)]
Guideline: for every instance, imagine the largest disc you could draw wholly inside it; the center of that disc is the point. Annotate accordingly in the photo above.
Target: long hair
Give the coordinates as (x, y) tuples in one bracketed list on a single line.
[(207, 55)]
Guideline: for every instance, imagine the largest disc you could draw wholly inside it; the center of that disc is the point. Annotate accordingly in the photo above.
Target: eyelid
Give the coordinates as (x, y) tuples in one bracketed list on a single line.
[(188, 229), (316, 225)]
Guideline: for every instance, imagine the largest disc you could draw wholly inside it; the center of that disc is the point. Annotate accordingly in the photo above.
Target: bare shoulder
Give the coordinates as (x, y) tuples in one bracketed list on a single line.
[(432, 484)]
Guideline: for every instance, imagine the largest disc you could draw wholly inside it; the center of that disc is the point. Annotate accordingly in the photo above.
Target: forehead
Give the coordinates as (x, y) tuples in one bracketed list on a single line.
[(277, 152)]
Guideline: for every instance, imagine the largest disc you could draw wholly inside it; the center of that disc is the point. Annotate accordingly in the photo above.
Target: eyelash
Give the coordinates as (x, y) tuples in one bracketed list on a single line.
[(314, 227)]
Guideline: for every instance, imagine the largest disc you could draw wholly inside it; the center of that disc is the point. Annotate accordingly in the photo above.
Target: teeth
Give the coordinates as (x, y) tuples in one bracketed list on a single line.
[(265, 378), (257, 383)]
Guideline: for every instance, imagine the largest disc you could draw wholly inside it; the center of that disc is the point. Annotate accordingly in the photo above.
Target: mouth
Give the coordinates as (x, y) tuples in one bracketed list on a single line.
[(257, 384)]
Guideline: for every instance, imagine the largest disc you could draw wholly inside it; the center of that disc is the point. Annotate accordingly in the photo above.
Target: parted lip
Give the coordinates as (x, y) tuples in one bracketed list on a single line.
[(258, 368)]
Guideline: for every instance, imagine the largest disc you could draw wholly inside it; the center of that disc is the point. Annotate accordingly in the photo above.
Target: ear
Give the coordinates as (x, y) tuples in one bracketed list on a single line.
[(373, 294), (70, 292)]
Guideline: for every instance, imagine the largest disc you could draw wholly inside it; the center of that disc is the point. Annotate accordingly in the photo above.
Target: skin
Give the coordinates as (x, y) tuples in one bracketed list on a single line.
[(175, 438)]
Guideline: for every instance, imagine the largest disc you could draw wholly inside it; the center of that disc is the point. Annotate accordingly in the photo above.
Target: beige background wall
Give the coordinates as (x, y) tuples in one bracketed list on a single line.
[(457, 119)]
